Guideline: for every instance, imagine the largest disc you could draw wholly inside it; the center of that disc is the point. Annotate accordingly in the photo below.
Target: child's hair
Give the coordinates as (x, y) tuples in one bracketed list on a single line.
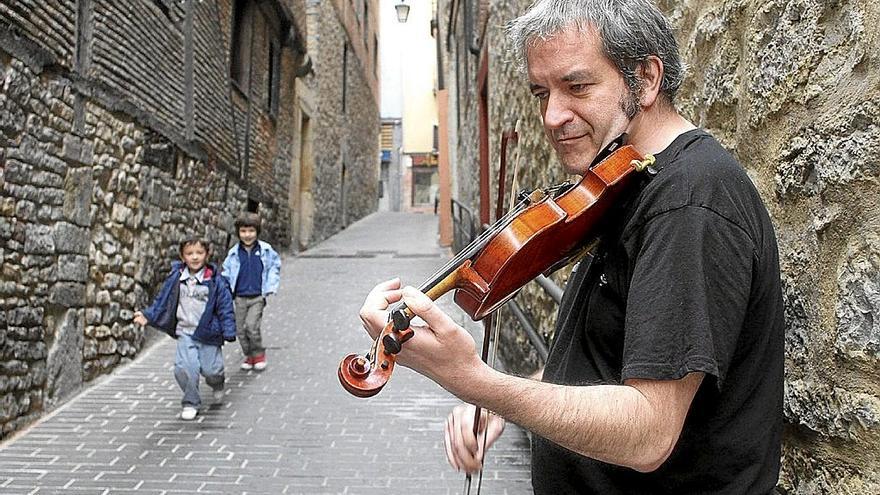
[(248, 219), (191, 241)]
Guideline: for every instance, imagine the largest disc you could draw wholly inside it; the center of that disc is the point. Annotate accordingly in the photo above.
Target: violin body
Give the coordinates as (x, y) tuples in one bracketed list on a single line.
[(546, 230)]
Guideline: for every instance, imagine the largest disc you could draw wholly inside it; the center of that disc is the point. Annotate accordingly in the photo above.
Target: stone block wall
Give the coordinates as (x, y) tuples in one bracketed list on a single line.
[(107, 161), (88, 233), (346, 144), (134, 55), (121, 134), (791, 88)]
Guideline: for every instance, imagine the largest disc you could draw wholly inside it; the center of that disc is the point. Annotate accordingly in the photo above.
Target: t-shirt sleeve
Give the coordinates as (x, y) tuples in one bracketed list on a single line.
[(688, 295)]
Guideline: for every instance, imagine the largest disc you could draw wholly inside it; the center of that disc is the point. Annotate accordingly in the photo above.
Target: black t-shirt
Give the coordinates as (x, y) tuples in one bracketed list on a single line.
[(686, 279)]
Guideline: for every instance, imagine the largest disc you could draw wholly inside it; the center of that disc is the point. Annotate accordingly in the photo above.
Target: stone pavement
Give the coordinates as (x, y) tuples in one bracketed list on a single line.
[(291, 429)]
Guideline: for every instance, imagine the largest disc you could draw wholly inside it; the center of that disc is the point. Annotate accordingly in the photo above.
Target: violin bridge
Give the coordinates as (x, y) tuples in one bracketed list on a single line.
[(537, 196)]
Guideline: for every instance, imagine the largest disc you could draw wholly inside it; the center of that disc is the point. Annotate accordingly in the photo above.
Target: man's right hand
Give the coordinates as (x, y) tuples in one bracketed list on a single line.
[(139, 318), (464, 450)]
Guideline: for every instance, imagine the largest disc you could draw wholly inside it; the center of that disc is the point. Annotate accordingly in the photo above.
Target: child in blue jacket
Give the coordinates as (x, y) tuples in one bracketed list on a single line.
[(194, 306), (253, 269)]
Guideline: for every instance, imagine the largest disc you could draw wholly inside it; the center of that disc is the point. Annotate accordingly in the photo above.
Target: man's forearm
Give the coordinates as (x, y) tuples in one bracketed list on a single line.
[(611, 423)]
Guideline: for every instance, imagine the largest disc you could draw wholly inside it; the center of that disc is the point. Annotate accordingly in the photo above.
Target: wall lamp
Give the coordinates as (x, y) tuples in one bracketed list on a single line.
[(402, 11)]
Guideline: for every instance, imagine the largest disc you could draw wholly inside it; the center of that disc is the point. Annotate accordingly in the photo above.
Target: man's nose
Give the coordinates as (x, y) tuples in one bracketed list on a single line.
[(557, 111)]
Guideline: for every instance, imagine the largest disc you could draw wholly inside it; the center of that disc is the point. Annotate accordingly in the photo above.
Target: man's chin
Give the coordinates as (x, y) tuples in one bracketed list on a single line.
[(573, 163)]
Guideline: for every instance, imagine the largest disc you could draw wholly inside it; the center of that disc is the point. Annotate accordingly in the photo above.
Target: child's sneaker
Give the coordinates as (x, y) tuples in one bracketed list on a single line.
[(259, 362), (189, 413), (248, 363)]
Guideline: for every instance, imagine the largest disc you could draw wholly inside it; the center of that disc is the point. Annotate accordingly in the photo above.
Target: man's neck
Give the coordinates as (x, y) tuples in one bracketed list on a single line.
[(653, 130)]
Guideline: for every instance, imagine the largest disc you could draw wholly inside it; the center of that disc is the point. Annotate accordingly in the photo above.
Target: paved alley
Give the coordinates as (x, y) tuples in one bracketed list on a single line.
[(291, 429)]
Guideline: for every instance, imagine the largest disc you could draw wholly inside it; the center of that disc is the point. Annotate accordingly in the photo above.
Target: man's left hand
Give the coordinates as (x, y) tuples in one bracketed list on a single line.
[(439, 349)]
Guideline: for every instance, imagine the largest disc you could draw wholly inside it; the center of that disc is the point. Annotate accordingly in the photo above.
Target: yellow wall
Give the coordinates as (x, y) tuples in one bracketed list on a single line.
[(419, 76)]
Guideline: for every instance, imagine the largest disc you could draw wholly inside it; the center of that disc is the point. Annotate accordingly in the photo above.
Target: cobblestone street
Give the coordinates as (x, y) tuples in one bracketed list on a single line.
[(291, 429)]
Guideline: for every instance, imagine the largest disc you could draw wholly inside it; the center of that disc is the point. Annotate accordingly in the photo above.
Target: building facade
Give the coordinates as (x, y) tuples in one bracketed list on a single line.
[(791, 89), (338, 181), (409, 96), (127, 126)]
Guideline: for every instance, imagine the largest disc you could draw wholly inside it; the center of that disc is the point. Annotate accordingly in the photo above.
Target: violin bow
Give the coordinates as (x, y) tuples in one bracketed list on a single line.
[(506, 137)]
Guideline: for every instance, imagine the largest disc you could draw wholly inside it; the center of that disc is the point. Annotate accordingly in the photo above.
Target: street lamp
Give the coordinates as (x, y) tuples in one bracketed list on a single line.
[(402, 11)]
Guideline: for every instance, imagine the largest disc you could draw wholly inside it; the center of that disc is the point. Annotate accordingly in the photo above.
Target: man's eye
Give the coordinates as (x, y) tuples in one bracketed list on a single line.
[(540, 95), (578, 88)]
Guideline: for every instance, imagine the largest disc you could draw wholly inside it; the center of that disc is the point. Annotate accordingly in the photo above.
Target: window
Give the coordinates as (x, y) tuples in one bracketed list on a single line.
[(273, 89), (240, 47), (375, 56), (344, 74), (458, 98), (305, 154), (425, 184), (366, 25), (343, 207)]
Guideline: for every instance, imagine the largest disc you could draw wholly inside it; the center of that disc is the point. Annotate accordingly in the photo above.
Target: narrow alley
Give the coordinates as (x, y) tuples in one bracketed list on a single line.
[(291, 429)]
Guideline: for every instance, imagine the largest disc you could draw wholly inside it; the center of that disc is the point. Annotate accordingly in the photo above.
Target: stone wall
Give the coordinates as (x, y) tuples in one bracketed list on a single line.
[(170, 70), (791, 88), (346, 144), (120, 134), (89, 229)]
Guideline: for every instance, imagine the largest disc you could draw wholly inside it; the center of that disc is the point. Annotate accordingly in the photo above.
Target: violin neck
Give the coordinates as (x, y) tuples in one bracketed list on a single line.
[(401, 315)]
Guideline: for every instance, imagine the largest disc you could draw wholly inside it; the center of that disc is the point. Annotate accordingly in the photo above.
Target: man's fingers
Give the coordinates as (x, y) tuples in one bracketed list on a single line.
[(424, 308), (372, 312), (383, 294), (464, 451), (491, 427), (467, 446), (450, 456), (391, 283)]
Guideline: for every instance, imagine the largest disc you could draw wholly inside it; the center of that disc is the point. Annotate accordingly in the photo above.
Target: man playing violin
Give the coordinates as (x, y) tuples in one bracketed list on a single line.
[(666, 371)]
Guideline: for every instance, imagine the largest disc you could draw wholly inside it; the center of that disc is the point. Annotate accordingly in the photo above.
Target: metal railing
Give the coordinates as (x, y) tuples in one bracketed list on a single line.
[(464, 231), (463, 226)]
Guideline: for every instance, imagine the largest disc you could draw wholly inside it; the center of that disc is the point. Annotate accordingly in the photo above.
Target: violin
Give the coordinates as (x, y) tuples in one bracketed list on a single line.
[(546, 229)]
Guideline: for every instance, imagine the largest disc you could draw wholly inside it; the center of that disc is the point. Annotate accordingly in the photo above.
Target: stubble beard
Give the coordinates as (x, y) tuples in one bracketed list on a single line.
[(629, 104)]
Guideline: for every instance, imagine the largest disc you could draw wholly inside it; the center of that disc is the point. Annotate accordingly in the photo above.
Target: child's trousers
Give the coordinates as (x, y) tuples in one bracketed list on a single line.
[(248, 315), (194, 358)]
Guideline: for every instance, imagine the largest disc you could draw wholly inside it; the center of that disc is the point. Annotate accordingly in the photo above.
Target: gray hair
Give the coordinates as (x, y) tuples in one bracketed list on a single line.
[(631, 31)]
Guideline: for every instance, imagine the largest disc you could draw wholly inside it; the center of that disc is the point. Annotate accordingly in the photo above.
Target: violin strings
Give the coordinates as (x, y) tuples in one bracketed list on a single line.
[(468, 251)]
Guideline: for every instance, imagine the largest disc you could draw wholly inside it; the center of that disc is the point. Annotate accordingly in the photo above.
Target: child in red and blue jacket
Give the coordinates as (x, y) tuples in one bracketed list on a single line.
[(253, 270), (195, 307)]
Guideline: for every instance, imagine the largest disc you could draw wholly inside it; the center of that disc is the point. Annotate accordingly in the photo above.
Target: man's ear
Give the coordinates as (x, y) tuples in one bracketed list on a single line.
[(651, 75)]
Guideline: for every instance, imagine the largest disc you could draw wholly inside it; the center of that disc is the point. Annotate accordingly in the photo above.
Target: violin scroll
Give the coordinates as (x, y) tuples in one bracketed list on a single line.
[(357, 376), (364, 376)]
